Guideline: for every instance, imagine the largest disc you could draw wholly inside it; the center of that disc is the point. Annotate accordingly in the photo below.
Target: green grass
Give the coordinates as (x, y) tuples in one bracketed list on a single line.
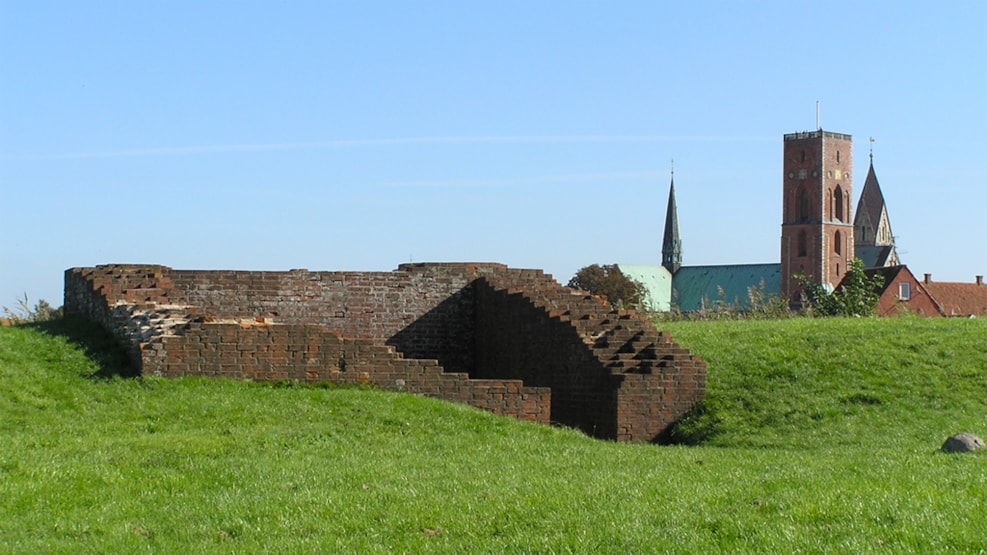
[(822, 383), (820, 437)]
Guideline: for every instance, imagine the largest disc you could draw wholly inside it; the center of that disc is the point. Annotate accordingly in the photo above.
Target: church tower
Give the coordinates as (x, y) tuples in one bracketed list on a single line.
[(817, 228), (872, 227), (671, 246)]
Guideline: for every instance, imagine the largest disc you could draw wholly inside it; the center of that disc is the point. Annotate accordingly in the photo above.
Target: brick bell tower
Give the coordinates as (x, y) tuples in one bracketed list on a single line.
[(817, 226)]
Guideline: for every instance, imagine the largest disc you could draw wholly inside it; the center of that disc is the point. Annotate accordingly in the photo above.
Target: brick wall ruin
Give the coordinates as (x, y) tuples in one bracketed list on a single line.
[(510, 341)]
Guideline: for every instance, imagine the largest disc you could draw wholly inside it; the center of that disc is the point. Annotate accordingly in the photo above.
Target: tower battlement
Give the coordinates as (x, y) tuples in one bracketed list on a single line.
[(820, 134)]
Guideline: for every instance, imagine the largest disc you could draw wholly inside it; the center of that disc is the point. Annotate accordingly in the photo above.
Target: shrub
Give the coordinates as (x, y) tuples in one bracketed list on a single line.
[(856, 295), (23, 312)]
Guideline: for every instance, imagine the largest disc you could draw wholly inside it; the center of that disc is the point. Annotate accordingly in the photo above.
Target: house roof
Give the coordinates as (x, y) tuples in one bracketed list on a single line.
[(889, 273), (959, 299), (698, 287)]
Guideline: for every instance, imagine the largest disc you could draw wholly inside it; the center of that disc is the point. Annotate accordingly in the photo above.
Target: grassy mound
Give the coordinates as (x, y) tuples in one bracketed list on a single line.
[(803, 452), (807, 384)]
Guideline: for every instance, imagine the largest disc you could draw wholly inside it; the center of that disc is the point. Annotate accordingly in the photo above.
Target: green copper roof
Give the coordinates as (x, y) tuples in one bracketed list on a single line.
[(698, 287), (657, 283)]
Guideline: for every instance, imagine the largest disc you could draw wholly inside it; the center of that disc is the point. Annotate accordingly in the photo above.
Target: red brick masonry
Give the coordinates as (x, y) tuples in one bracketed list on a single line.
[(510, 341)]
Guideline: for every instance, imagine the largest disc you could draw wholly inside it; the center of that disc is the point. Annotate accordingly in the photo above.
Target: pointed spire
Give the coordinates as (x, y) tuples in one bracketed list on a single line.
[(874, 241), (671, 248), (871, 211)]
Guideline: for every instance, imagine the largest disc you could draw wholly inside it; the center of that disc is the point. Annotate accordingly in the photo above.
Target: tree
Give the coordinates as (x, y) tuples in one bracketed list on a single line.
[(856, 295), (620, 290)]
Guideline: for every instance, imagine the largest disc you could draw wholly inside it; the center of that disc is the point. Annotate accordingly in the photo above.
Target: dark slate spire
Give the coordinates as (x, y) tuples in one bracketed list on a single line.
[(671, 247), (871, 222), (874, 242)]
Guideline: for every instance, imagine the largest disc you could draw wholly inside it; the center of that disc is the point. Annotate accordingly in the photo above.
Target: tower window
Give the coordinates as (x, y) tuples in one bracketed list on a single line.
[(838, 197), (803, 156), (838, 245), (803, 204), (837, 157), (904, 291), (803, 244)]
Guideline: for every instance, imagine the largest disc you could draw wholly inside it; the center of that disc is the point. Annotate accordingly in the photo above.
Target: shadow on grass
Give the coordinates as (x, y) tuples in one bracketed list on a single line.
[(98, 344), (697, 427)]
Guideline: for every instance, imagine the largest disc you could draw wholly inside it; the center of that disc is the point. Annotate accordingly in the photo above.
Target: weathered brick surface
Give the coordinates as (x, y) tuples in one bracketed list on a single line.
[(611, 373), (510, 341)]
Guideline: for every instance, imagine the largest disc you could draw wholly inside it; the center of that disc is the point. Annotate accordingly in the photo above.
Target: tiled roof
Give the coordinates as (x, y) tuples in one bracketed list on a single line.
[(959, 299)]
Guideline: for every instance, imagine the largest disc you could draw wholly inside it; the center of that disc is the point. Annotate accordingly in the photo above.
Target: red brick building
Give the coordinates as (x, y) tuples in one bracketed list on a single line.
[(902, 293), (817, 226)]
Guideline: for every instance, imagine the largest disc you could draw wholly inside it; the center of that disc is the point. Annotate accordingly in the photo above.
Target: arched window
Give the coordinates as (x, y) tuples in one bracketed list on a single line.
[(838, 244), (838, 197), (803, 244), (803, 204)]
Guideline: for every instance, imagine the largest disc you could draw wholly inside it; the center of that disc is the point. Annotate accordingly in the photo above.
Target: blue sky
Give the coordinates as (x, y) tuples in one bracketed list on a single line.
[(361, 135)]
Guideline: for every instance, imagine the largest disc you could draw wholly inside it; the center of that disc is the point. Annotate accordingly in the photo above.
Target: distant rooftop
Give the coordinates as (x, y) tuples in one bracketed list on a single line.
[(959, 299)]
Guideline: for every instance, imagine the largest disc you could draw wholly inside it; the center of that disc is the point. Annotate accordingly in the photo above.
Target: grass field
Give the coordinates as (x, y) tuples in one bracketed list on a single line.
[(818, 436)]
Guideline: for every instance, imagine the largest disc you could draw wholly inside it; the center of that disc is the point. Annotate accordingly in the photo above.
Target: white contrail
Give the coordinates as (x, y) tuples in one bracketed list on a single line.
[(528, 181), (356, 143)]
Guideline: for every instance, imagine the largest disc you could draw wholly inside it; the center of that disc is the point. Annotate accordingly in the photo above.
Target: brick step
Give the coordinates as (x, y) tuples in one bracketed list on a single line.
[(648, 355), (622, 339), (618, 339)]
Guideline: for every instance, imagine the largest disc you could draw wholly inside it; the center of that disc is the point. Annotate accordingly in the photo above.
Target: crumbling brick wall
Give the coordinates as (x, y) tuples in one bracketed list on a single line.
[(611, 373), (519, 340), (511, 341), (263, 351)]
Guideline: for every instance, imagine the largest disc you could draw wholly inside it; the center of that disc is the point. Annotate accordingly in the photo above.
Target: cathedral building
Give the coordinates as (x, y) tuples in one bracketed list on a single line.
[(820, 236)]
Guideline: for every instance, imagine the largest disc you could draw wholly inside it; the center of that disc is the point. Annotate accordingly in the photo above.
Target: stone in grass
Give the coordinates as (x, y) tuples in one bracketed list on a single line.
[(962, 443)]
